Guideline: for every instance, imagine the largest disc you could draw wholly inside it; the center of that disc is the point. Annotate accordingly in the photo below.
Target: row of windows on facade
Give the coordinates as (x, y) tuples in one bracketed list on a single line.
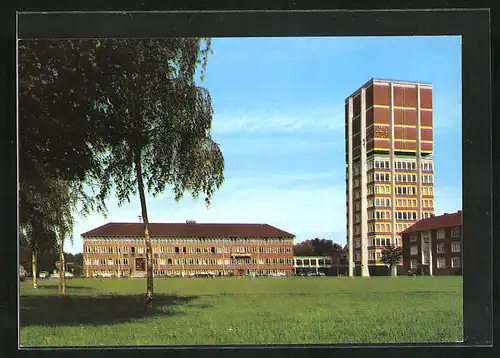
[(440, 248), (374, 255), (160, 272), (386, 202), (174, 240), (185, 250), (386, 215), (441, 234), (402, 178), (382, 228), (400, 203), (401, 165), (385, 177), (455, 262), (312, 262), (371, 256), (191, 262), (400, 190), (379, 242)]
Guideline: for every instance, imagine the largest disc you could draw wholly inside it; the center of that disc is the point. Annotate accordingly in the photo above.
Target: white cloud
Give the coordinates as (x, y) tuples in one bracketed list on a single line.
[(271, 120)]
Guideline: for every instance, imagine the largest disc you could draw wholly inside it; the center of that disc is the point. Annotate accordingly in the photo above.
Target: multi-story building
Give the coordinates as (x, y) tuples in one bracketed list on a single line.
[(118, 249), (390, 178), (433, 246)]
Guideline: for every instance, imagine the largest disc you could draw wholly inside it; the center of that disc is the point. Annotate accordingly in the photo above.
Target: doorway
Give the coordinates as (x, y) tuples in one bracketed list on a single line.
[(140, 264)]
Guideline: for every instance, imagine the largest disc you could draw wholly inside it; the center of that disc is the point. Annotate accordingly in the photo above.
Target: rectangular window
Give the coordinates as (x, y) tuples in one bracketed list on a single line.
[(455, 262), (440, 248), (440, 262), (455, 232), (414, 263), (413, 237), (413, 250), (455, 246), (441, 234)]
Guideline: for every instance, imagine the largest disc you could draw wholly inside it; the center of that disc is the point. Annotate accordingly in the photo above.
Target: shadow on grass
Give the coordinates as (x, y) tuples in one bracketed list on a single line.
[(94, 310), (68, 287)]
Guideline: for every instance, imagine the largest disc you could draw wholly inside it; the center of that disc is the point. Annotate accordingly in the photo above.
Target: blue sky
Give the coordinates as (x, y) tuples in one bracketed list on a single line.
[(279, 119)]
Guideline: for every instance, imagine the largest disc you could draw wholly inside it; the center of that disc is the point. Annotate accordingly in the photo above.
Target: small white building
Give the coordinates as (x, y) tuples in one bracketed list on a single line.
[(312, 264)]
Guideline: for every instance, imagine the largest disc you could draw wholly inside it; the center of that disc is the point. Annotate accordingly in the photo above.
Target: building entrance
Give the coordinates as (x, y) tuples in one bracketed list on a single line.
[(140, 264)]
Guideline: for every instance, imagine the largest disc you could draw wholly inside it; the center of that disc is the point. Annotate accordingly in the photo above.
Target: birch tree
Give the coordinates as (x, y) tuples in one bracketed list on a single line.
[(159, 123)]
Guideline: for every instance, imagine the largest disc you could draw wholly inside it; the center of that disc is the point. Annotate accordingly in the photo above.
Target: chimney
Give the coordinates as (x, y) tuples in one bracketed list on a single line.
[(140, 218), (190, 221)]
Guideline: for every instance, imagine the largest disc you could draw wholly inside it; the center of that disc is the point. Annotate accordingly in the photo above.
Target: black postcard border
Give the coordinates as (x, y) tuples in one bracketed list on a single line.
[(472, 24)]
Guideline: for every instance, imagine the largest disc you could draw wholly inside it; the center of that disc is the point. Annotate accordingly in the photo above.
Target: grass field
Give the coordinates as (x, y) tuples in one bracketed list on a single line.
[(322, 310)]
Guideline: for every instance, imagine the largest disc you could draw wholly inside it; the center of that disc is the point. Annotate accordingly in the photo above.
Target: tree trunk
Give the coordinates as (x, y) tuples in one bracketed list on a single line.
[(33, 268), (62, 274), (149, 261)]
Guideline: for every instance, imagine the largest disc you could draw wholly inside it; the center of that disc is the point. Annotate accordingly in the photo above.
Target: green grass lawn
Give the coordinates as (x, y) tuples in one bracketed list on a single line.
[(322, 310)]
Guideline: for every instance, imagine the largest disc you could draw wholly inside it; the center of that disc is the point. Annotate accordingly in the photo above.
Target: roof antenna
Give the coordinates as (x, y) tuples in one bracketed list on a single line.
[(140, 218)]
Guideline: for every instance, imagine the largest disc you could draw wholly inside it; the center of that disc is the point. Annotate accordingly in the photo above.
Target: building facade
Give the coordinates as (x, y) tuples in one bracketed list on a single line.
[(390, 169), (118, 249), (433, 246)]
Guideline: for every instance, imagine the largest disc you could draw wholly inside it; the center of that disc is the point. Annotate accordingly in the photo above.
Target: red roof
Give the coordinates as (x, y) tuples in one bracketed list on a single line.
[(436, 222), (189, 230)]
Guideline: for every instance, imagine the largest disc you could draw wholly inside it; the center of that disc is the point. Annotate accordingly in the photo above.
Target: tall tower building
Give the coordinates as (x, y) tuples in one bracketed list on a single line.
[(390, 178)]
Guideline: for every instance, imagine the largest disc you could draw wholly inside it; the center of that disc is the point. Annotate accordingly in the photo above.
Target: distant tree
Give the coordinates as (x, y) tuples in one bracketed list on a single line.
[(392, 256), (35, 239), (303, 248), (316, 247), (74, 263)]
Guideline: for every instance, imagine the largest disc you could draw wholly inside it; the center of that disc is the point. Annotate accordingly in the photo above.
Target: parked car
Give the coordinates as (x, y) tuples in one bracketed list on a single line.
[(22, 273), (66, 275), (43, 274)]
